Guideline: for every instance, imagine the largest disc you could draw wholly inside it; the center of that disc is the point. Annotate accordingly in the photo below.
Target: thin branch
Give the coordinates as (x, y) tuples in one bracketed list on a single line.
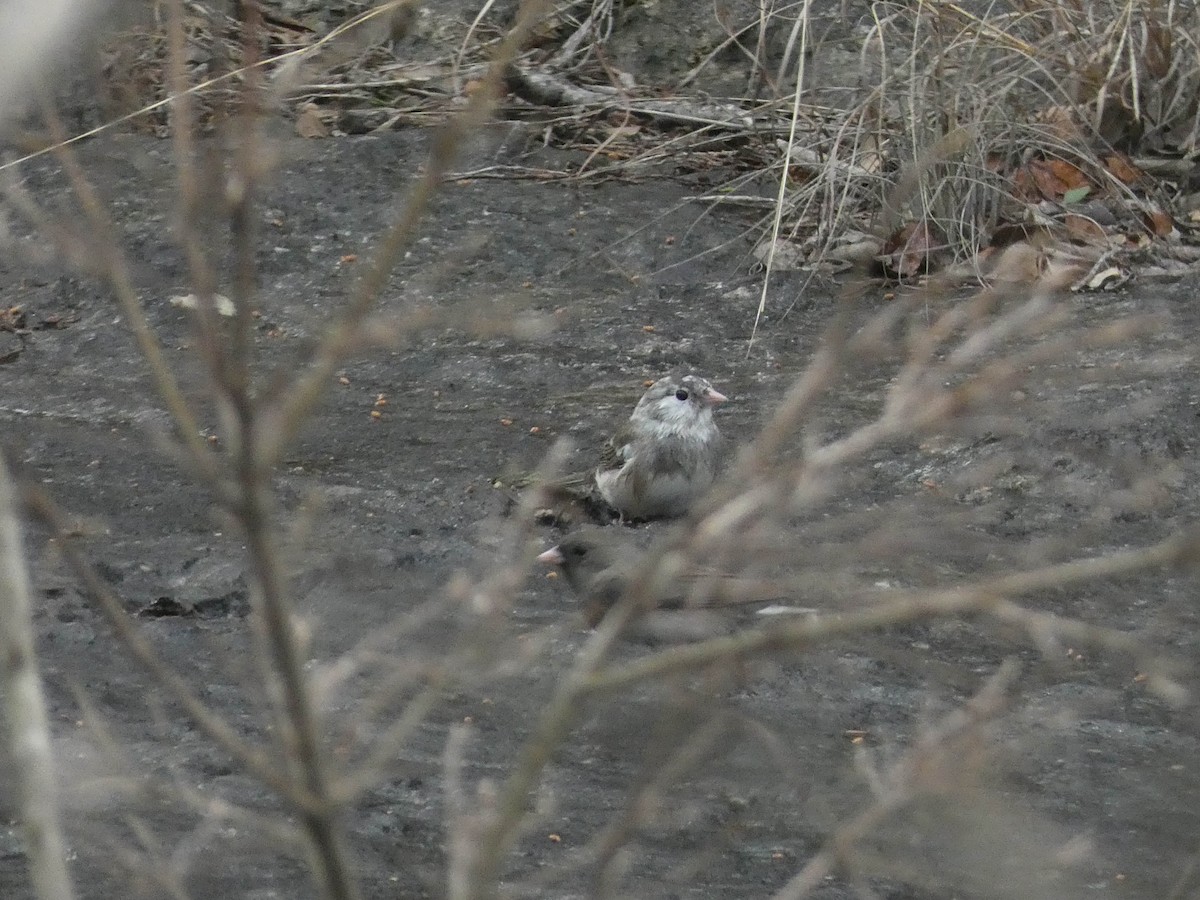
[(256, 761), (905, 608), (937, 754), (115, 268), (278, 427), (28, 728)]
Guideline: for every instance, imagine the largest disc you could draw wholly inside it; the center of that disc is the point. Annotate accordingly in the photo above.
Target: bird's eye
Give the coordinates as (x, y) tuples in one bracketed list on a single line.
[(681, 394), (579, 551)]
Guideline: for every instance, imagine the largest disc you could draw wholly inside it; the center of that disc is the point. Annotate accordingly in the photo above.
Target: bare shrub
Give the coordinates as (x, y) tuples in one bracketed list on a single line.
[(942, 366)]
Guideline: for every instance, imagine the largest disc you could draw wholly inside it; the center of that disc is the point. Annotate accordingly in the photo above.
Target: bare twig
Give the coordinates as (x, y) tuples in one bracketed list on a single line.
[(258, 762), (929, 766), (279, 426), (985, 598), (28, 729)]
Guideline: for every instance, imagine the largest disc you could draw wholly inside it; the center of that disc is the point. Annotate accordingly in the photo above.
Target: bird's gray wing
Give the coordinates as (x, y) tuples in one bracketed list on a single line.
[(615, 453)]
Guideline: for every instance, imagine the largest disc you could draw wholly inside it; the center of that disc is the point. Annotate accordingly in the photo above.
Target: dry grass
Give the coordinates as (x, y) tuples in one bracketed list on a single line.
[(916, 145)]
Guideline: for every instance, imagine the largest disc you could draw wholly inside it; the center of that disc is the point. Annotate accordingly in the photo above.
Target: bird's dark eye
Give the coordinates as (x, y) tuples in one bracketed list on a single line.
[(681, 394), (579, 551)]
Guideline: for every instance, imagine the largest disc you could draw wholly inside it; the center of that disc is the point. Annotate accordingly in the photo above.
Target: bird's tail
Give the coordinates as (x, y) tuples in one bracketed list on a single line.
[(568, 498)]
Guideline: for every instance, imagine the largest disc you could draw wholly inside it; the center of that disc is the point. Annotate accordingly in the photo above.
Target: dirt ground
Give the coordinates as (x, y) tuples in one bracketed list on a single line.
[(1093, 789)]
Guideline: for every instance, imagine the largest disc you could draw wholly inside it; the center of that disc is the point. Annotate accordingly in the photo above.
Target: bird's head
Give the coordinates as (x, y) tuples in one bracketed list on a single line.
[(677, 403)]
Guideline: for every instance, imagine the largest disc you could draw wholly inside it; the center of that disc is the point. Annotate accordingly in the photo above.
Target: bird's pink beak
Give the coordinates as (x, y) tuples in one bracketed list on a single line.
[(713, 397), (551, 557)]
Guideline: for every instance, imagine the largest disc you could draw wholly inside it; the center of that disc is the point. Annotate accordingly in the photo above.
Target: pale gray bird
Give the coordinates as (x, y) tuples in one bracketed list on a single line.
[(665, 457)]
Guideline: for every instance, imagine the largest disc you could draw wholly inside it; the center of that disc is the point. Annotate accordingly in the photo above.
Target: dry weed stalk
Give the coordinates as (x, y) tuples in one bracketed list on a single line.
[(1046, 82), (942, 757), (26, 724), (257, 424), (953, 366), (984, 106), (957, 369)]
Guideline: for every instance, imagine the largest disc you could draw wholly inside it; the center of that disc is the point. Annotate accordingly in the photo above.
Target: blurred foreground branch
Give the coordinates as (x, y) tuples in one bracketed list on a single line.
[(26, 726)]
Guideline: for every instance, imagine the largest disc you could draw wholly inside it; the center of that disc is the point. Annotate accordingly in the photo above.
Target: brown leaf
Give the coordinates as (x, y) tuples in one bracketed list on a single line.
[(1158, 223), (1065, 173), (1047, 179), (1084, 230), (1121, 167), (309, 123), (909, 250)]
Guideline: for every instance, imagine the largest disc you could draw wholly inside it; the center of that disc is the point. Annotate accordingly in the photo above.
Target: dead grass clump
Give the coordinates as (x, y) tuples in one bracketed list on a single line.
[(1029, 124), (1020, 123), (321, 733)]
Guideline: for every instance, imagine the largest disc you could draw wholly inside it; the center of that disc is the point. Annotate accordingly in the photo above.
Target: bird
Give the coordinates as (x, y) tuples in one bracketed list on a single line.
[(596, 564), (601, 565), (661, 460), (665, 457)]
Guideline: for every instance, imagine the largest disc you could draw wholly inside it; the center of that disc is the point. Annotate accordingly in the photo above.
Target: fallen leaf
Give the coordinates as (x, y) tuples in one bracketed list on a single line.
[(1121, 167), (787, 255), (909, 250), (310, 124), (1047, 179), (1110, 278), (1067, 173), (1159, 223), (1084, 230)]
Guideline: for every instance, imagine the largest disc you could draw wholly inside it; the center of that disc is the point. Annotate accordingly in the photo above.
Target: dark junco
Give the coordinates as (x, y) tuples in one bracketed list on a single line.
[(601, 564)]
